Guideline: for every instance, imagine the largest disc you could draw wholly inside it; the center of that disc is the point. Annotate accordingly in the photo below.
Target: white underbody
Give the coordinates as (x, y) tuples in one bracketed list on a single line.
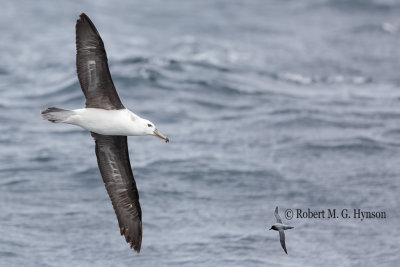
[(281, 226), (107, 122)]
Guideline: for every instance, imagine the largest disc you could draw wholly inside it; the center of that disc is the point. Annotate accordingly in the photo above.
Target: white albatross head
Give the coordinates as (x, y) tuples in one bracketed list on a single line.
[(148, 128)]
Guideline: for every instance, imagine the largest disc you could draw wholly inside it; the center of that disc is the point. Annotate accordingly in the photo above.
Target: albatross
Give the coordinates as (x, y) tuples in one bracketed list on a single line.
[(110, 123), (280, 227)]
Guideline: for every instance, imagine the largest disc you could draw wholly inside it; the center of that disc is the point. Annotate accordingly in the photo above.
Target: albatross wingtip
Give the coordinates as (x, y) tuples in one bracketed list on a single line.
[(82, 16), (134, 239), (83, 19), (135, 248)]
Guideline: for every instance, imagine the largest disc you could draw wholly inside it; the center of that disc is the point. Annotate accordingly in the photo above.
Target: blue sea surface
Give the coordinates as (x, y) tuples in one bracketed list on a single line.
[(293, 104)]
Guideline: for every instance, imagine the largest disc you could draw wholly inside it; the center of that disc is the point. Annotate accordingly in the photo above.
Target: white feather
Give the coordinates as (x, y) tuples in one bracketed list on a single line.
[(110, 122)]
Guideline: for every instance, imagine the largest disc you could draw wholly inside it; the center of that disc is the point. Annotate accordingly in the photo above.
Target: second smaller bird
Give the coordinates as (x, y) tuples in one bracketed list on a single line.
[(279, 226)]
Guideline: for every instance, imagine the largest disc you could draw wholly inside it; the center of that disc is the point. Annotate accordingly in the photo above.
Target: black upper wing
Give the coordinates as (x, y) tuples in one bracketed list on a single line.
[(115, 168), (282, 239), (92, 67)]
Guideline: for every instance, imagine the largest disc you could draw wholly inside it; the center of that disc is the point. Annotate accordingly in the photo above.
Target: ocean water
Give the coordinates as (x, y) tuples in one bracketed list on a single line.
[(293, 104)]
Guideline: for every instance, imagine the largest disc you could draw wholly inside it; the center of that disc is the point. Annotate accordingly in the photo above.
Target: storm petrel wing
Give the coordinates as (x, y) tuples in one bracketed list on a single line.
[(282, 238), (278, 218)]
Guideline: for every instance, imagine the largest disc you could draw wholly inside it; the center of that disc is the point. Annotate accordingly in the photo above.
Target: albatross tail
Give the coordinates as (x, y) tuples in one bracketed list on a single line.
[(56, 114)]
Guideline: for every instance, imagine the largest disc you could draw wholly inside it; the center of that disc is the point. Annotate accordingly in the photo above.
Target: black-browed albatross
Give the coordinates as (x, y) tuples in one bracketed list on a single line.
[(109, 123)]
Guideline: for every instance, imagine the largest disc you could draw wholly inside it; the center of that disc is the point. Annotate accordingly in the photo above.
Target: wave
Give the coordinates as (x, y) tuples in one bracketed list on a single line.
[(354, 144), (301, 79), (307, 121), (364, 5), (385, 27), (65, 94)]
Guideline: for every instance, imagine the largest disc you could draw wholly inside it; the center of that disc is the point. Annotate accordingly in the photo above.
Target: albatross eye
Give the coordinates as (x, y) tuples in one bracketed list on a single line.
[(149, 125)]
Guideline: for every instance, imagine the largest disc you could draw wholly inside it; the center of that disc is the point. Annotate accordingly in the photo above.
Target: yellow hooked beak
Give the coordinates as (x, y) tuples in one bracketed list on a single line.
[(160, 135)]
